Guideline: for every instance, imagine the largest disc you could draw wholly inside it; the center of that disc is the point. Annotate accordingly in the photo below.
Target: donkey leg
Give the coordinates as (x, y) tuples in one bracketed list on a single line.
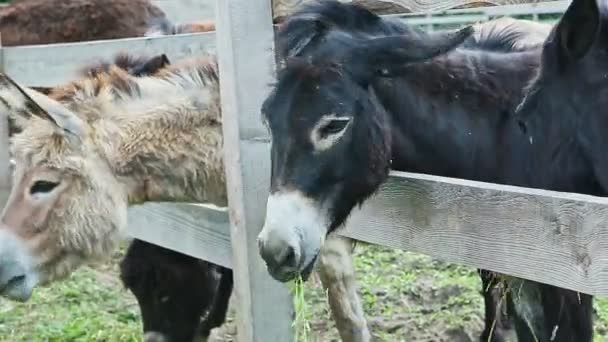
[(568, 314), (337, 274), (216, 316), (547, 313), (496, 321), (524, 302)]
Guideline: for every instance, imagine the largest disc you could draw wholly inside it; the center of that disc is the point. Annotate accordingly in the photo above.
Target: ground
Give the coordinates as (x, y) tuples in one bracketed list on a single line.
[(407, 297)]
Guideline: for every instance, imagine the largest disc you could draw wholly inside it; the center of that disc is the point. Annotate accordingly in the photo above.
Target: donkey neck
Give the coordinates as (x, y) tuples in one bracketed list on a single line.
[(447, 113), (162, 136)]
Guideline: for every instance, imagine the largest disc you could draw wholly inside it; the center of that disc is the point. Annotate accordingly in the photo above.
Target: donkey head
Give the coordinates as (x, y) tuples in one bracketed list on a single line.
[(331, 142), (65, 204), (570, 91)]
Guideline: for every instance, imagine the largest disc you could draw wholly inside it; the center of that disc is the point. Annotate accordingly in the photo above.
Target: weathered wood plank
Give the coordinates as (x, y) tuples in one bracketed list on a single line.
[(544, 7), (5, 166), (186, 11), (551, 237), (246, 64), (53, 64), (50, 65), (282, 8), (198, 230)]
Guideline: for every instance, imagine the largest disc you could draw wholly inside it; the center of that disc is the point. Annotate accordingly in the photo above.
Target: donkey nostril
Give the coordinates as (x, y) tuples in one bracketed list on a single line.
[(15, 281), (290, 257)]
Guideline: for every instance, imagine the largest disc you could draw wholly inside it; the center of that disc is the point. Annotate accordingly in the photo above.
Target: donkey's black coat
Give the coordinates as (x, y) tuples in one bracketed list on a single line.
[(448, 116), (179, 296)]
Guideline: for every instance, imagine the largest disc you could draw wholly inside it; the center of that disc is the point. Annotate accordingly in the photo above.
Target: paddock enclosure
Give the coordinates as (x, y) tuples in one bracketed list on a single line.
[(545, 236)]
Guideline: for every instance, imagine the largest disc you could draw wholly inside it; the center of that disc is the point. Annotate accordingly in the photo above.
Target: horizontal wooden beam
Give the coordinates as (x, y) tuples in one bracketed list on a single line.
[(54, 64), (551, 237), (201, 231), (187, 11), (282, 8)]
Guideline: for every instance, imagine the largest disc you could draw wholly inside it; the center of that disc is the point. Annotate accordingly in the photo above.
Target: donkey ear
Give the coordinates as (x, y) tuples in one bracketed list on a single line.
[(151, 66), (577, 30), (388, 55), (299, 32), (23, 103)]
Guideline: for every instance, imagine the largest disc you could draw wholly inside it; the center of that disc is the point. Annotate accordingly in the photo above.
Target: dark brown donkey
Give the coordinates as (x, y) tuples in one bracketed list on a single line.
[(350, 105)]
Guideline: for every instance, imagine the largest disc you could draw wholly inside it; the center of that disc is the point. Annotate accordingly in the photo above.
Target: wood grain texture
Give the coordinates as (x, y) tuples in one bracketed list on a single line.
[(282, 8), (198, 230), (550, 237), (245, 48), (54, 64), (187, 11), (5, 167)]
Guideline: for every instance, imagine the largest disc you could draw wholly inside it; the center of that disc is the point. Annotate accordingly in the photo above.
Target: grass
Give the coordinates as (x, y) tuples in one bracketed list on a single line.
[(91, 305), (406, 297), (301, 323)]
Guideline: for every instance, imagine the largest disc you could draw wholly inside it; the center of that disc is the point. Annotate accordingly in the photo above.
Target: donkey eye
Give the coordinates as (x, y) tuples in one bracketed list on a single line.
[(334, 126), (43, 187)]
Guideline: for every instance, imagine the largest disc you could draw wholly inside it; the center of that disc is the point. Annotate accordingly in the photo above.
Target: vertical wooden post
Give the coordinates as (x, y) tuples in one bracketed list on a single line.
[(5, 166), (245, 50)]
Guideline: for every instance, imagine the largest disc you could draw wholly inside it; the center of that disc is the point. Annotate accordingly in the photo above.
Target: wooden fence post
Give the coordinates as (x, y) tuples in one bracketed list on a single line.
[(5, 166), (245, 50)]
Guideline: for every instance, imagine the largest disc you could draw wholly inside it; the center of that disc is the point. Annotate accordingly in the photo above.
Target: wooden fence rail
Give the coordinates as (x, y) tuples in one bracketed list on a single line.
[(551, 237), (555, 238)]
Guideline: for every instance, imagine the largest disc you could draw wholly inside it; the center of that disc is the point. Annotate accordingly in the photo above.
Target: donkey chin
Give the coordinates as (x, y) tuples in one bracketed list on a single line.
[(18, 276)]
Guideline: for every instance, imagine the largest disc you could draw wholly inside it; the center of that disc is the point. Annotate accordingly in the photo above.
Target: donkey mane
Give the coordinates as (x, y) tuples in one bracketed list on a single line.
[(124, 60), (107, 83), (507, 34), (459, 76)]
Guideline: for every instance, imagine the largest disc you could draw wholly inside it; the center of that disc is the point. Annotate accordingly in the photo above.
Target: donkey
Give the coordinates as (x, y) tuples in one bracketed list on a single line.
[(313, 22), (54, 21), (351, 106), (173, 290)]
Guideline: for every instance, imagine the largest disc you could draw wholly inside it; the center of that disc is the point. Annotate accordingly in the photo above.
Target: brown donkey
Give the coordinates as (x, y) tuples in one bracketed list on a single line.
[(34, 22)]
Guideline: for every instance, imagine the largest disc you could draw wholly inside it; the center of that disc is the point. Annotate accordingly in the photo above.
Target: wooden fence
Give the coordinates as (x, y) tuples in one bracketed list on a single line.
[(551, 237)]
